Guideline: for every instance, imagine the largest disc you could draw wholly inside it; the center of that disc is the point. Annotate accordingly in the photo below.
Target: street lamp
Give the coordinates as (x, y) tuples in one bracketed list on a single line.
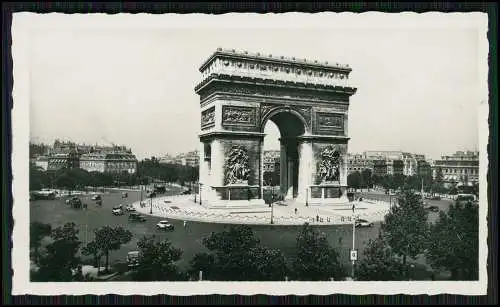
[(141, 193), (151, 203), (193, 185), (199, 190), (353, 251), (272, 212)]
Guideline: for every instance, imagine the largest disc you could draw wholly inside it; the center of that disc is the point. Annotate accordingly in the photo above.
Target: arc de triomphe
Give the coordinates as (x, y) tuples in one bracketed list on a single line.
[(307, 100)]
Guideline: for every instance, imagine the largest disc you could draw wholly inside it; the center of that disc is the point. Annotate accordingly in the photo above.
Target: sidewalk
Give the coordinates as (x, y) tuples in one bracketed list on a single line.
[(183, 207)]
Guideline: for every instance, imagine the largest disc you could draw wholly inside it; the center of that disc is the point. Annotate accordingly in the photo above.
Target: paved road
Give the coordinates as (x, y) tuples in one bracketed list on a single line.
[(189, 240)]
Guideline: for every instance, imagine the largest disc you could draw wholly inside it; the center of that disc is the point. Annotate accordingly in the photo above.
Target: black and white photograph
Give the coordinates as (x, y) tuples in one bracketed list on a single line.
[(293, 153)]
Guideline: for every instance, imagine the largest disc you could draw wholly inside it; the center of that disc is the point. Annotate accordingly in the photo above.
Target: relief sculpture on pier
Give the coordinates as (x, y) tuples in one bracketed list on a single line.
[(329, 166), (237, 166)]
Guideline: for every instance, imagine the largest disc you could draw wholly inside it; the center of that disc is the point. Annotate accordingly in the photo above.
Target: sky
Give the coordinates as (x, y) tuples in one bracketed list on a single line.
[(419, 85)]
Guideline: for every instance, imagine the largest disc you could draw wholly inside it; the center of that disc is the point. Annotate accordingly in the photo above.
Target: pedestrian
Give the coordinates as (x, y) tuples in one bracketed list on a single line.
[(317, 218), (295, 211), (185, 224)]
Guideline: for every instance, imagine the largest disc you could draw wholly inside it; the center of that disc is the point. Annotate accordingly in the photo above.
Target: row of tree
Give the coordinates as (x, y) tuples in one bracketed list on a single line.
[(148, 171), (365, 179), (449, 244)]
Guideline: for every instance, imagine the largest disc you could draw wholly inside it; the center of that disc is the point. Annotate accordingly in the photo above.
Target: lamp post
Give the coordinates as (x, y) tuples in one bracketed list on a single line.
[(141, 193), (193, 185), (151, 204), (199, 190), (272, 212), (353, 252)]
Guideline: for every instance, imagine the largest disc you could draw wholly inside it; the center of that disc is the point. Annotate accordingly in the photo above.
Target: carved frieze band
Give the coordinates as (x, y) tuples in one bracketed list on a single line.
[(277, 92), (208, 118), (236, 115)]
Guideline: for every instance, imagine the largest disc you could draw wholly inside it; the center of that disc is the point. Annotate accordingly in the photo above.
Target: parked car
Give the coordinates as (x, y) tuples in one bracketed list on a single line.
[(432, 208), (363, 223), (130, 208), (133, 259), (118, 210), (136, 217), (96, 197), (164, 225), (75, 203), (187, 192)]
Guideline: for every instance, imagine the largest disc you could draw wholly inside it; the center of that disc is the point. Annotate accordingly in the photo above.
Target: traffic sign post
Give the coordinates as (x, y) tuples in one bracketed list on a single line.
[(354, 255)]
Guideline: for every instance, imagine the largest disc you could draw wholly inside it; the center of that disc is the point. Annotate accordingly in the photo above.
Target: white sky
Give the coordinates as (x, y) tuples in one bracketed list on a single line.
[(97, 78)]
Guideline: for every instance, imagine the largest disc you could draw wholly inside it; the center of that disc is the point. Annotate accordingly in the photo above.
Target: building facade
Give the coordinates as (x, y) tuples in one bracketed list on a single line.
[(118, 162), (42, 162), (358, 163), (272, 161), (63, 160), (396, 162), (191, 158), (462, 167)]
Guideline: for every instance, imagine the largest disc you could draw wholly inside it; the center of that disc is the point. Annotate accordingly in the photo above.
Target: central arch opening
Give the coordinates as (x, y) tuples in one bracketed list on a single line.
[(281, 154)]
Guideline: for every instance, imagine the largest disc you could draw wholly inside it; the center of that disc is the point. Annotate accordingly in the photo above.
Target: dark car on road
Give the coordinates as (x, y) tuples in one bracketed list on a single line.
[(136, 217), (432, 208), (187, 192)]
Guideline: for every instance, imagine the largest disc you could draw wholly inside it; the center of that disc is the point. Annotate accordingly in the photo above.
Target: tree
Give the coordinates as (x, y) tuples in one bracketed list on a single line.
[(270, 263), (61, 258), (366, 178), (204, 262), (397, 181), (91, 249), (108, 239), (236, 255), (316, 259), (157, 260), (38, 231), (378, 263), (405, 226), (65, 181), (354, 180), (454, 241), (437, 185)]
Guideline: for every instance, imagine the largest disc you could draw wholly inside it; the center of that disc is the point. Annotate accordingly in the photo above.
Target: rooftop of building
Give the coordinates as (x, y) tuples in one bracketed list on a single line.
[(108, 156), (460, 155)]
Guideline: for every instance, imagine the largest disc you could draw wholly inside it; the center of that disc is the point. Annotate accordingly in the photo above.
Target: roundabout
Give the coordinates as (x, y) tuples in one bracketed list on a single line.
[(184, 207)]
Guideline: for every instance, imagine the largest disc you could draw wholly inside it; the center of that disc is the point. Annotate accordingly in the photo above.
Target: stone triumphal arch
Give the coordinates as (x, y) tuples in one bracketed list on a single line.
[(307, 100)]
